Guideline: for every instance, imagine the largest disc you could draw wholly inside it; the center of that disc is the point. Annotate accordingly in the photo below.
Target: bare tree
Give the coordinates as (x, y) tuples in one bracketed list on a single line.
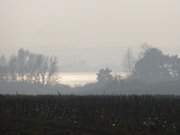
[(52, 68), (3, 67), (129, 61), (28, 66)]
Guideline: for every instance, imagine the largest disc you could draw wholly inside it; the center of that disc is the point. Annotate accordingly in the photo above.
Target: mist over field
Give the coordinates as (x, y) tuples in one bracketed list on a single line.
[(89, 67), (73, 43), (93, 34)]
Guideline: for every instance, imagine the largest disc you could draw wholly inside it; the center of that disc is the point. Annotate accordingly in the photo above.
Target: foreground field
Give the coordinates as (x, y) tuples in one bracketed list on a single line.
[(89, 115)]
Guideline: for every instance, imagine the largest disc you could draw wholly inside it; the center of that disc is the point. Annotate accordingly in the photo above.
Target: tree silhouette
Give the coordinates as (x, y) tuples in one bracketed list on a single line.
[(28, 66), (3, 67), (104, 75), (155, 66), (129, 61)]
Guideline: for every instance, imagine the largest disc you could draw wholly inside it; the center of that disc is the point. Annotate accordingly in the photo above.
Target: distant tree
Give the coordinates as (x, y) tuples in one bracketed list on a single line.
[(28, 66), (52, 68), (12, 68), (155, 66), (144, 47), (129, 61), (3, 67), (104, 75), (41, 68), (174, 66), (22, 60)]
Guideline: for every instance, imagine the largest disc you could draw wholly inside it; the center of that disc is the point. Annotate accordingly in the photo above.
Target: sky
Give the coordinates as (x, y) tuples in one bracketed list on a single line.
[(88, 34)]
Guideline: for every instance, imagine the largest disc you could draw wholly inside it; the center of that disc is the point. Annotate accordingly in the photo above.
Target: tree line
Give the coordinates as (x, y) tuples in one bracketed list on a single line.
[(151, 66), (28, 66)]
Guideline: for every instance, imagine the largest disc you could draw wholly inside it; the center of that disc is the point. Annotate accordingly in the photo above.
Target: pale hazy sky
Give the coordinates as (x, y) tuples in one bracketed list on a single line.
[(62, 26)]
